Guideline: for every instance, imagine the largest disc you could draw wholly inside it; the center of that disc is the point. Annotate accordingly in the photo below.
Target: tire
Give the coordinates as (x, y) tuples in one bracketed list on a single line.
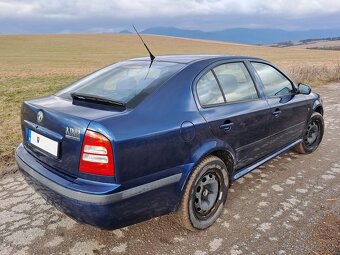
[(312, 134), (204, 194)]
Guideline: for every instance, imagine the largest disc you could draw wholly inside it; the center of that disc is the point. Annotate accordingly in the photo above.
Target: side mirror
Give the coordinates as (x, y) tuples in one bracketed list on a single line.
[(304, 89)]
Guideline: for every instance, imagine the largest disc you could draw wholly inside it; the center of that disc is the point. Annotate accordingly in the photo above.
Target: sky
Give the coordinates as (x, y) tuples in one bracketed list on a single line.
[(101, 16)]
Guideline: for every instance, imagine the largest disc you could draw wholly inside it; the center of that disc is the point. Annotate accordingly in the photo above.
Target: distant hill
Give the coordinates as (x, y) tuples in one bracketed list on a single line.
[(332, 43), (125, 31), (245, 35)]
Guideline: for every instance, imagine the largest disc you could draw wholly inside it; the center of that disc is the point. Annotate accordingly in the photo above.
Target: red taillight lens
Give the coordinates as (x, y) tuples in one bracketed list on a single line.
[(96, 155)]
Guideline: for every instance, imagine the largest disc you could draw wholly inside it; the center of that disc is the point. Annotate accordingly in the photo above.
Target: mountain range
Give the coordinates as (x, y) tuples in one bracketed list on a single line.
[(244, 35)]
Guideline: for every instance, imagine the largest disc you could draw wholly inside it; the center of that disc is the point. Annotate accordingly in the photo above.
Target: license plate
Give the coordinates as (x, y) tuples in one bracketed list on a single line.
[(42, 142)]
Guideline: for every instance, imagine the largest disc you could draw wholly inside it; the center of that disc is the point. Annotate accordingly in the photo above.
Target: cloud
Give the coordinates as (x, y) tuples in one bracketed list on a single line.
[(110, 15), (173, 8)]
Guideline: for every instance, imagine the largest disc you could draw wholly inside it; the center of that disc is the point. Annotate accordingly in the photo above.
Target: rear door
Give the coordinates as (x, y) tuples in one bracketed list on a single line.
[(230, 103), (288, 111)]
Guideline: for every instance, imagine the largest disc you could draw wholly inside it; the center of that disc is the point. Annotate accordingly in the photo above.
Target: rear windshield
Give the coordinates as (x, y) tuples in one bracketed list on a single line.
[(127, 82)]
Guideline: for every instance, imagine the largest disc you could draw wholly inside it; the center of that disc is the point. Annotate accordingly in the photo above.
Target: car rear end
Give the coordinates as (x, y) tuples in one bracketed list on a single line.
[(70, 165), (69, 157)]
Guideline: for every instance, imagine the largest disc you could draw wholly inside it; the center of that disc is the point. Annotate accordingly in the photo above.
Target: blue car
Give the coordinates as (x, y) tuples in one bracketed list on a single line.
[(136, 140)]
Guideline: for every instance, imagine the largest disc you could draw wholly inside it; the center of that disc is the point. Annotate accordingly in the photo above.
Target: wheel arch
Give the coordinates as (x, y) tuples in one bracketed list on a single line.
[(228, 159), (317, 107), (225, 153)]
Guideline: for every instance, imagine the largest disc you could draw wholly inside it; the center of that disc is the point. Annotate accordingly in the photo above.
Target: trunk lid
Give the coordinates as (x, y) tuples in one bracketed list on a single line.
[(53, 131)]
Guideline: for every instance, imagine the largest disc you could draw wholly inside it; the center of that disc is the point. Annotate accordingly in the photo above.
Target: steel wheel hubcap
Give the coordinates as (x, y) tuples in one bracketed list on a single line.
[(206, 193), (312, 133)]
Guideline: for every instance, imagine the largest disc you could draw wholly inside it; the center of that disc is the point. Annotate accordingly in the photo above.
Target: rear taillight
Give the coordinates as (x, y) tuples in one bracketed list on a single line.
[(96, 155)]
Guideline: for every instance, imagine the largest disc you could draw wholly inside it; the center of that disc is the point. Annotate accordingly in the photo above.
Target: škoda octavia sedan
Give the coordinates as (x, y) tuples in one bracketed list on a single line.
[(136, 140)]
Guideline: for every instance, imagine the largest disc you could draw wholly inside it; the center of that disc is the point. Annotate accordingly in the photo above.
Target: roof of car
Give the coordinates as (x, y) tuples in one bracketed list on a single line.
[(186, 59)]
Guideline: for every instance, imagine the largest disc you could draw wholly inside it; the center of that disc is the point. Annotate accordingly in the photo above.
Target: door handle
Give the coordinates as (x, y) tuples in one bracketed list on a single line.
[(277, 112), (226, 126)]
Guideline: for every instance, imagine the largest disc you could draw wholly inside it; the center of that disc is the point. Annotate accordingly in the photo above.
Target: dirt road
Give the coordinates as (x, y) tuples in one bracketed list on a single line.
[(291, 205)]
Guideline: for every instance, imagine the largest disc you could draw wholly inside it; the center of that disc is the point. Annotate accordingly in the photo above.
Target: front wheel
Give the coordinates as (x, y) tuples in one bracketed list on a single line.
[(312, 135), (204, 195)]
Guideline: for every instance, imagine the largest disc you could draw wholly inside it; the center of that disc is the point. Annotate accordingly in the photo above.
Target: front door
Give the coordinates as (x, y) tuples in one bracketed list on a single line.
[(289, 111)]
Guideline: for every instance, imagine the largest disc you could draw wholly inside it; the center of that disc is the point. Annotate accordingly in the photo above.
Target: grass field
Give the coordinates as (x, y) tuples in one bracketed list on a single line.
[(37, 65)]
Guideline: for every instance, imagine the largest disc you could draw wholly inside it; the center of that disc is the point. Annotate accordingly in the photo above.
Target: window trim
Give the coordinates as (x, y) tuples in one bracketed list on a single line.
[(218, 84), (219, 63), (278, 70)]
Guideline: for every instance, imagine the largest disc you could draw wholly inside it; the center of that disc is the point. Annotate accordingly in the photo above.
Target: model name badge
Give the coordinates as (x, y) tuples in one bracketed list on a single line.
[(72, 133)]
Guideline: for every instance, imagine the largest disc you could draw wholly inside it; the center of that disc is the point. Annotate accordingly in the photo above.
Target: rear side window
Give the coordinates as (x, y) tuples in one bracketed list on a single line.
[(236, 82), (274, 82), (208, 90), (126, 82)]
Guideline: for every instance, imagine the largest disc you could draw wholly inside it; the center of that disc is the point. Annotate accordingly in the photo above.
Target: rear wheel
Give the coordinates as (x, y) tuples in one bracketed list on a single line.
[(312, 135), (204, 195)]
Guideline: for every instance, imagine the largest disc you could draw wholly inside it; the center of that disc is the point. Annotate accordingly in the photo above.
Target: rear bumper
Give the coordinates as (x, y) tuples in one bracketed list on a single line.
[(103, 205)]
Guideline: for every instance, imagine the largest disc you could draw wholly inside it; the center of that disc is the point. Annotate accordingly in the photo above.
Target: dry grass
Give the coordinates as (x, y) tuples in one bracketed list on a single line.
[(315, 74), (37, 65)]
